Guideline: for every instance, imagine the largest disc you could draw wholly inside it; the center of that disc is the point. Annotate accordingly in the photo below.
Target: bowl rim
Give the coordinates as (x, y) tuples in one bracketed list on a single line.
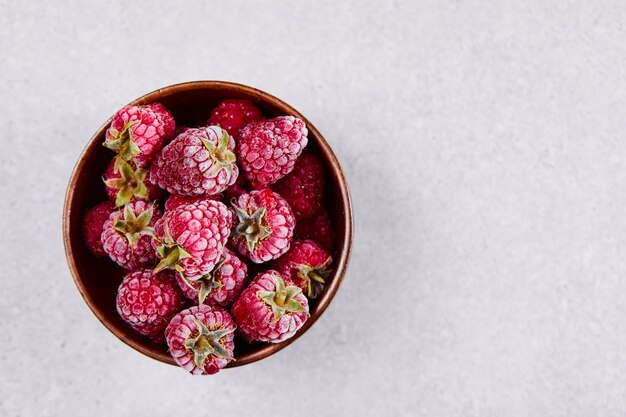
[(343, 253)]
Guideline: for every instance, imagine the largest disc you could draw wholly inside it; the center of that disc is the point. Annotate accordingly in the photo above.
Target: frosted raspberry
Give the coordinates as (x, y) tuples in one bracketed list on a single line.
[(268, 149), (200, 339), (191, 238), (148, 301), (307, 264), (232, 115), (125, 181), (138, 132), (318, 228), (127, 234), (197, 162), (93, 225), (263, 226), (222, 285), (303, 188), (271, 309)]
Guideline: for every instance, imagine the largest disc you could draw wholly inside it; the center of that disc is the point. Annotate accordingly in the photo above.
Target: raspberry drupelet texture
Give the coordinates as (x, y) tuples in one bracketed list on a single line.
[(197, 162), (174, 201), (268, 149), (318, 228), (139, 132), (93, 225), (221, 286), (271, 309), (192, 237), (307, 264), (200, 339), (148, 301), (125, 181), (303, 188), (264, 225), (231, 115), (128, 233)]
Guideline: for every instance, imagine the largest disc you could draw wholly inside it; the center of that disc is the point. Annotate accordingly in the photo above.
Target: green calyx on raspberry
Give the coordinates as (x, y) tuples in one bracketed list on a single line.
[(220, 154), (281, 300), (251, 226), (207, 343), (122, 143), (130, 184), (314, 278), (170, 253), (207, 283), (134, 227)]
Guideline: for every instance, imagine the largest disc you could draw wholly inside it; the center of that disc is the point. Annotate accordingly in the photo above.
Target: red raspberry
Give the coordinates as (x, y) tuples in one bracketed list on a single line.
[(268, 149), (197, 162), (201, 339), (191, 238), (307, 264), (231, 115), (264, 225), (93, 224), (222, 285), (124, 182), (271, 309), (174, 201), (318, 228), (148, 301), (303, 188), (127, 234), (169, 125), (138, 132)]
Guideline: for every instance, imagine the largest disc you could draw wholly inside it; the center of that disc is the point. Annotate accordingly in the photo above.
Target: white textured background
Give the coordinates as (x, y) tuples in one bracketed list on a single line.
[(484, 143)]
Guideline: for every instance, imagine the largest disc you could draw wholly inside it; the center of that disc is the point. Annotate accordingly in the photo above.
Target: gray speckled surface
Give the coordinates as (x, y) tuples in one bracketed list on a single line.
[(484, 146)]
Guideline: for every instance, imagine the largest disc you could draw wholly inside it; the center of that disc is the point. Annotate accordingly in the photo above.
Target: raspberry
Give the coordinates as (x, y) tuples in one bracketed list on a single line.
[(201, 339), (307, 264), (148, 302), (191, 238), (318, 228), (303, 188), (222, 285), (264, 225), (138, 132), (125, 181), (268, 149), (197, 162), (231, 115), (93, 225), (271, 309), (174, 201), (126, 235)]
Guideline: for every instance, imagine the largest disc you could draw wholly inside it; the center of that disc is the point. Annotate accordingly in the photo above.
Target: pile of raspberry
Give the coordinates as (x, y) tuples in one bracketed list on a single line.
[(193, 211)]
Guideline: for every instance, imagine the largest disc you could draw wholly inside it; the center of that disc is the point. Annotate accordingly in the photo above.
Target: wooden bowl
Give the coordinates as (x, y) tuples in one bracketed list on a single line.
[(97, 279)]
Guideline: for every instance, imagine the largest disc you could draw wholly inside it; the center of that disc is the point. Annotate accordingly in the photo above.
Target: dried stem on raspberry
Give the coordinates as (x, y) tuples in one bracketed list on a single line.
[(251, 226), (221, 155), (134, 227), (207, 282), (122, 143), (281, 300), (170, 253), (207, 343), (315, 278), (130, 184)]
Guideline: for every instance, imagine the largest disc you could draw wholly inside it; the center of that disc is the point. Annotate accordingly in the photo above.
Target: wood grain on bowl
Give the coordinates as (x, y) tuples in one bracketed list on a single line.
[(97, 279)]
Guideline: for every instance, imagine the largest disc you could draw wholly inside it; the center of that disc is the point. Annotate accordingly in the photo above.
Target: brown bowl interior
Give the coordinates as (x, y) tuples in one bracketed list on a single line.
[(98, 278)]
